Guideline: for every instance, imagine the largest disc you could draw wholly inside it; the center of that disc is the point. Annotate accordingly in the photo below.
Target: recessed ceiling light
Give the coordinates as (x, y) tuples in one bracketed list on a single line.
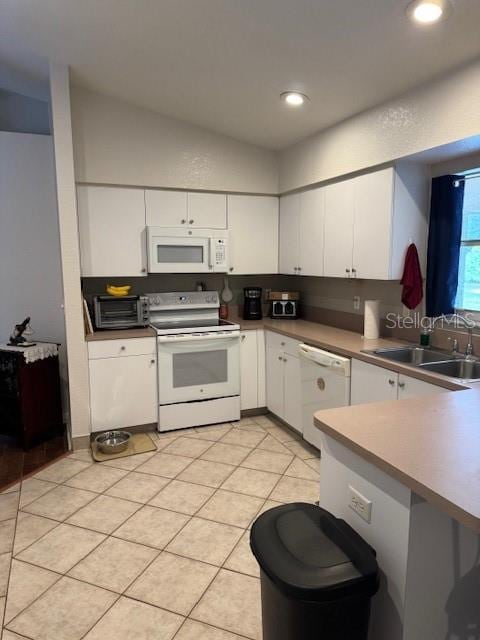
[(427, 11), (293, 98)]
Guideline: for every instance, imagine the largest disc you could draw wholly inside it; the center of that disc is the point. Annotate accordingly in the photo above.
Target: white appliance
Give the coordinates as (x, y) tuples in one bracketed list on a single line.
[(198, 357), (187, 250), (325, 381)]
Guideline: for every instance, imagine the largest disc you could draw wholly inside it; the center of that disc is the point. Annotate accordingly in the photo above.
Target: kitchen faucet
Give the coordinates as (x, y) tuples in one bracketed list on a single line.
[(467, 325)]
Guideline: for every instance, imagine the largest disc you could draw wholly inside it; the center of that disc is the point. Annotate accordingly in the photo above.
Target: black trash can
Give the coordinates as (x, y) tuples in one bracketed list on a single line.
[(317, 575)]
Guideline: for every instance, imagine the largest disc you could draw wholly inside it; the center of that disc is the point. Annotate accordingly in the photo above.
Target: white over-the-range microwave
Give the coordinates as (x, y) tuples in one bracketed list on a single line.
[(187, 250)]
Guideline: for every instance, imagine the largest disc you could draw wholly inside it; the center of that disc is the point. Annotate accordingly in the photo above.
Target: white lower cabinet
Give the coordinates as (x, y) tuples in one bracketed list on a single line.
[(292, 393), (412, 387), (275, 380), (252, 369), (370, 383), (123, 388), (283, 380)]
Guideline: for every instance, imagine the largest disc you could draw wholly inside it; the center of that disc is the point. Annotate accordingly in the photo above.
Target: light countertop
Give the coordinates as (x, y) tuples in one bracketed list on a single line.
[(344, 343), (121, 334), (431, 444), (350, 345)]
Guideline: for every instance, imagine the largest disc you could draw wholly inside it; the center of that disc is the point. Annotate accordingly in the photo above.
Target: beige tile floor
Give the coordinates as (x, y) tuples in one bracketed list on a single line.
[(149, 547)]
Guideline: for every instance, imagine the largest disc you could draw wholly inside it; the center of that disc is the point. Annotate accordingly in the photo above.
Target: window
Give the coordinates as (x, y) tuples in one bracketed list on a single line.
[(468, 292)]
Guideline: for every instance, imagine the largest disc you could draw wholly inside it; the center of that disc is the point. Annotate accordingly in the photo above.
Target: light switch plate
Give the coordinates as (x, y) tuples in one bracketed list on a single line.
[(361, 505)]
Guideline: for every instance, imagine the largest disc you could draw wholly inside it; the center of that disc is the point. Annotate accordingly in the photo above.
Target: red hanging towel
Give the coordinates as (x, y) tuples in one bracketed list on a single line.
[(412, 292)]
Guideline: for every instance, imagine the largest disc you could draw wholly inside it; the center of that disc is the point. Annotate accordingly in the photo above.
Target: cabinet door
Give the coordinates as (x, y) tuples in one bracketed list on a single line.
[(207, 210), (248, 370), (275, 381), (372, 228), (339, 212), (293, 393), (111, 222), (166, 208), (253, 234), (261, 356), (123, 392), (411, 388), (312, 221), (288, 261), (370, 383)]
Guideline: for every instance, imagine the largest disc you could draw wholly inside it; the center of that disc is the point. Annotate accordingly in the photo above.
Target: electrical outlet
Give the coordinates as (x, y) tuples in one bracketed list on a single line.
[(356, 302), (361, 505)]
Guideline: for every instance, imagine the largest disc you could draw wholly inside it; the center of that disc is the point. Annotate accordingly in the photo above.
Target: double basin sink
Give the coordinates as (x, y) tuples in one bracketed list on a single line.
[(451, 365)]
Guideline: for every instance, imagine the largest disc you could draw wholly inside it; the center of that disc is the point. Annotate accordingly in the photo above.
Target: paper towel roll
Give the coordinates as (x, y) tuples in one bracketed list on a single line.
[(371, 320)]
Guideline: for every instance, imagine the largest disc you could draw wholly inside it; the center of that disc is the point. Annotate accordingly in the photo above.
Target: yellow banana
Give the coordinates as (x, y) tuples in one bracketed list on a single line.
[(118, 291)]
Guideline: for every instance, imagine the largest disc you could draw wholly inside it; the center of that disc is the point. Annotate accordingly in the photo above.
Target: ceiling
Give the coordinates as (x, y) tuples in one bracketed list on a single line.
[(222, 64)]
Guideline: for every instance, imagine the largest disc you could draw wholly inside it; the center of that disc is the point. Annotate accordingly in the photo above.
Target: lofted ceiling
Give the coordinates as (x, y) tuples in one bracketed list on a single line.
[(222, 64)]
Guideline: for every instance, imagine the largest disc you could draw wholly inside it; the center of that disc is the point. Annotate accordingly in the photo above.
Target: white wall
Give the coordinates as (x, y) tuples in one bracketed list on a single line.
[(117, 143), (30, 269), (455, 165), (70, 253), (437, 114)]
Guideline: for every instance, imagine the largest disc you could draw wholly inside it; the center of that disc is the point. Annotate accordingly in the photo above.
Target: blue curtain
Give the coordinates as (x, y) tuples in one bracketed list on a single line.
[(444, 238)]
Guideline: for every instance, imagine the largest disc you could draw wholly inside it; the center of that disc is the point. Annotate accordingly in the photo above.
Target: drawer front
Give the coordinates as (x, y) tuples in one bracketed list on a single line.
[(121, 348), (283, 343)]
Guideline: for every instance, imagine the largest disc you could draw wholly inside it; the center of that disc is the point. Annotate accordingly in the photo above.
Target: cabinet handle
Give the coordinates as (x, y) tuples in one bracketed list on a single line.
[(122, 348), (284, 359), (184, 222), (354, 273), (144, 270), (401, 385), (282, 344), (152, 361), (391, 382), (347, 270), (280, 358), (243, 337), (191, 221), (231, 269), (299, 268)]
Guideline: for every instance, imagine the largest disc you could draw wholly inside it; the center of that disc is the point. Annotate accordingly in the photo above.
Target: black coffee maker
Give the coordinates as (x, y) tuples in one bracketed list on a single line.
[(252, 303)]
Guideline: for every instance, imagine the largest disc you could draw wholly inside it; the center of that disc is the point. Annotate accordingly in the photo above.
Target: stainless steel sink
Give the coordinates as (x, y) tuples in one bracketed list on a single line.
[(461, 368), (411, 355)]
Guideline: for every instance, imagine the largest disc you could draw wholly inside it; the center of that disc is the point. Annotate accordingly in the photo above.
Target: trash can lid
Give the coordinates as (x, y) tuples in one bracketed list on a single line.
[(311, 555)]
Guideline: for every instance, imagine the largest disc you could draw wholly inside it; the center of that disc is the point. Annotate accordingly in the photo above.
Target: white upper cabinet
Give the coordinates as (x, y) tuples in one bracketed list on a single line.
[(166, 208), (185, 209), (339, 199), (111, 223), (311, 232), (207, 210), (370, 220), (301, 233), (372, 226), (289, 234), (253, 234)]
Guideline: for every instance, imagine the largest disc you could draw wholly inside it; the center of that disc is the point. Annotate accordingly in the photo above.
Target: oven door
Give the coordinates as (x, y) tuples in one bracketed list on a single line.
[(178, 254), (198, 367)]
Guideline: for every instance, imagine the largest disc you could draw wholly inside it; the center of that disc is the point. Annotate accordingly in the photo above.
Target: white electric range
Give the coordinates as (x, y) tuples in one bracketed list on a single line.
[(198, 360)]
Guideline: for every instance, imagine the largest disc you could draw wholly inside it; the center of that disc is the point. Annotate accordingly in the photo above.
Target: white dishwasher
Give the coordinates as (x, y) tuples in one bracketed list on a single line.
[(325, 383)]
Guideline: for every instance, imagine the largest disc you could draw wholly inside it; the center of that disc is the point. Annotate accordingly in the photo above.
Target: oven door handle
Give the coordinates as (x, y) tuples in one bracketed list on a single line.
[(205, 337)]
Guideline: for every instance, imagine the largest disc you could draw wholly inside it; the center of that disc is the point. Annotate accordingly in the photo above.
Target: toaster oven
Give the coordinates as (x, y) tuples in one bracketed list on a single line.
[(123, 312)]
